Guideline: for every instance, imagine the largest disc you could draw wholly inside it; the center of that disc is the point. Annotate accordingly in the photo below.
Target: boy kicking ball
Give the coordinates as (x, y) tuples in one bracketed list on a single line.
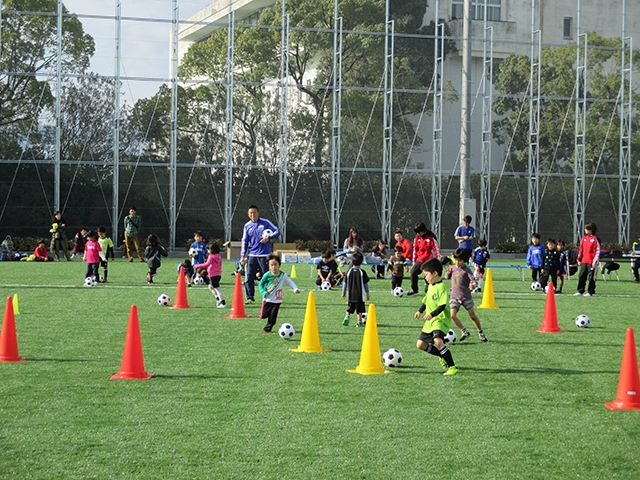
[(438, 318)]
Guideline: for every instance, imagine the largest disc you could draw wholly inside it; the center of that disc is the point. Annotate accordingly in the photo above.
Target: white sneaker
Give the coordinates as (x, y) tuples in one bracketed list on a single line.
[(587, 294), (221, 305), (577, 294)]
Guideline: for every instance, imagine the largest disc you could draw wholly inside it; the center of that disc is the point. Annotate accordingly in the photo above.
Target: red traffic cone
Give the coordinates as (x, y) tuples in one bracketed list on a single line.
[(628, 397), (181, 292), (8, 338), (132, 360), (550, 317), (237, 305)]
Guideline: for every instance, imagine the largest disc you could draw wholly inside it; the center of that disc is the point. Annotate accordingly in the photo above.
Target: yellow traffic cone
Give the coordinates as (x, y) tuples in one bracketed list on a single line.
[(293, 272), (16, 310), (310, 338), (370, 359), (488, 299)]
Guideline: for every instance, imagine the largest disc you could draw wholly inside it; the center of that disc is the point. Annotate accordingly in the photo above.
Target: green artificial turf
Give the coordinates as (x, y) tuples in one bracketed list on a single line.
[(227, 401)]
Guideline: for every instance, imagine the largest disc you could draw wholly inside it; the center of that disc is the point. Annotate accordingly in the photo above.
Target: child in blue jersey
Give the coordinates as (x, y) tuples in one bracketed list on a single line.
[(534, 257), (270, 286), (438, 317), (107, 247), (481, 256), (356, 283), (200, 247), (564, 265), (257, 234)]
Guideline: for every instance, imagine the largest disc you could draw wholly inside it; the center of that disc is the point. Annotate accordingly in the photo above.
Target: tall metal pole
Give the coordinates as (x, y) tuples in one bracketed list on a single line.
[(580, 144), (626, 105), (487, 104), (173, 168), (387, 151), (336, 125), (56, 171), (533, 199), (284, 123), (116, 125), (436, 158), (465, 116), (228, 164)]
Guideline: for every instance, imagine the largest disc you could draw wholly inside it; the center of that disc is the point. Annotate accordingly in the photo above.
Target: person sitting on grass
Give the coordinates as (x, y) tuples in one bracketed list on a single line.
[(40, 254), (438, 317), (188, 270), (327, 269), (462, 281), (356, 283), (270, 286)]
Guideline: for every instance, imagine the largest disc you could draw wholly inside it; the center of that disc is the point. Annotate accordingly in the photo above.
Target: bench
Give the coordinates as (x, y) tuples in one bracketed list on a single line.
[(289, 253)]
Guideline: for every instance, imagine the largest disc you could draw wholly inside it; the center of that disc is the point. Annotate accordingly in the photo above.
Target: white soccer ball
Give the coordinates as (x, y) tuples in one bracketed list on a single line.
[(583, 321), (450, 337), (392, 357), (89, 282), (364, 318), (267, 233), (398, 291), (286, 331), (198, 280), (193, 252), (164, 300), (325, 286), (535, 286)]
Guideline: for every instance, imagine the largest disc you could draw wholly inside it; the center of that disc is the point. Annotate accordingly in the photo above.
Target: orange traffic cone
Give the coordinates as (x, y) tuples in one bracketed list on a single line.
[(181, 292), (488, 298), (237, 304), (370, 358), (8, 338), (310, 339), (628, 397), (550, 317), (132, 361)]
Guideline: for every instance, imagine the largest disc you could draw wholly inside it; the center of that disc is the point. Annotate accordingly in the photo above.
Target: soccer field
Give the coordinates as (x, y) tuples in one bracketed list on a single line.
[(227, 401)]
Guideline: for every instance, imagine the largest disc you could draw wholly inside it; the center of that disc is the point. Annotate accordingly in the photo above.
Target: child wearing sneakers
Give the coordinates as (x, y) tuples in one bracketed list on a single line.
[(550, 265), (462, 281), (356, 284), (270, 286), (397, 265), (481, 256), (153, 253), (438, 317), (564, 265), (588, 259), (534, 257), (107, 247), (214, 270)]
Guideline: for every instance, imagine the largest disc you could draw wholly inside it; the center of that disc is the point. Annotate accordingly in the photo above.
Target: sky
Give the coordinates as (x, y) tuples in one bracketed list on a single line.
[(144, 43)]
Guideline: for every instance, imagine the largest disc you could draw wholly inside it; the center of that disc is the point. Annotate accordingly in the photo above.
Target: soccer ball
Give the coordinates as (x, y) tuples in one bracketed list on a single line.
[(398, 291), (198, 280), (286, 331), (392, 357), (89, 282), (325, 286), (583, 321), (193, 252), (267, 233), (164, 300), (536, 286), (364, 318), (450, 337)]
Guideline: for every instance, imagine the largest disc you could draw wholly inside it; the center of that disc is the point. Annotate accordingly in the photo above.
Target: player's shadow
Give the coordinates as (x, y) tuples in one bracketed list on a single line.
[(537, 370)]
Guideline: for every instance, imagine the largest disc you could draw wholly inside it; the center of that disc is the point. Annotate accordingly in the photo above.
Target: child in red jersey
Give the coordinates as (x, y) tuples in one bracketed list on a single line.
[(588, 259)]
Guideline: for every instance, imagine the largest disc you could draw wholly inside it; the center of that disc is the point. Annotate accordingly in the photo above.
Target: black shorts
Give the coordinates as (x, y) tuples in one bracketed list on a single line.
[(270, 310), (357, 307), (215, 281), (428, 337)]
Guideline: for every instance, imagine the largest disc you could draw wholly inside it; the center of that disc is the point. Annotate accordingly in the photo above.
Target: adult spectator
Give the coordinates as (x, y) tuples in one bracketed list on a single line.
[(425, 247), (132, 224), (353, 243), (256, 246), (465, 234), (407, 250), (59, 242)]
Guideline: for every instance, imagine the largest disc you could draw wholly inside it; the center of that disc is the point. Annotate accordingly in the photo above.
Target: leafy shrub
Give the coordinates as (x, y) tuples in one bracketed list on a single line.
[(510, 247)]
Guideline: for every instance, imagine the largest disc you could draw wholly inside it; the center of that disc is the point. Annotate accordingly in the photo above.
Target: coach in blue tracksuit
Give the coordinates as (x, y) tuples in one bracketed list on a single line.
[(256, 246)]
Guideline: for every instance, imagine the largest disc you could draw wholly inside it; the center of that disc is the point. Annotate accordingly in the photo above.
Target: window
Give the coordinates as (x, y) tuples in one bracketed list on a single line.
[(477, 9), (566, 28)]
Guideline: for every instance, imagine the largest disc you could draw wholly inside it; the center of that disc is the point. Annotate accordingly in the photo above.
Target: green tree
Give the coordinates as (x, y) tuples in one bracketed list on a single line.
[(29, 48)]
